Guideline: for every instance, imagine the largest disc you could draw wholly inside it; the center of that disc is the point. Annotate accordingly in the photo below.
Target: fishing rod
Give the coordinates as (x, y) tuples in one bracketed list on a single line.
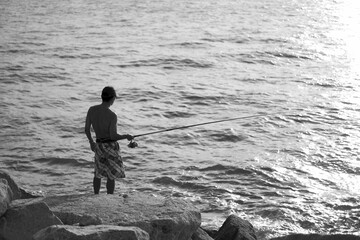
[(133, 144)]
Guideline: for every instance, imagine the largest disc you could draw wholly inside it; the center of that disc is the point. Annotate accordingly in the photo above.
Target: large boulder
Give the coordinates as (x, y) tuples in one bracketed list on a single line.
[(79, 219), (163, 218), (12, 184), (235, 228), (5, 196), (200, 234), (95, 232), (20, 222), (318, 237)]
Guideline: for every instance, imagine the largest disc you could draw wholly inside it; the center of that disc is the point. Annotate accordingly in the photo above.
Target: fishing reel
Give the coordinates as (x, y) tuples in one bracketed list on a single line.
[(132, 144)]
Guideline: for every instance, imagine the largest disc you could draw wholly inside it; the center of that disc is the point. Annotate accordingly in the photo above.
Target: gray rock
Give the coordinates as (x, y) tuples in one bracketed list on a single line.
[(21, 222), (211, 231), (163, 218), (318, 237), (200, 234), (98, 232), (5, 196), (235, 228), (25, 194), (18, 192), (12, 184), (82, 219)]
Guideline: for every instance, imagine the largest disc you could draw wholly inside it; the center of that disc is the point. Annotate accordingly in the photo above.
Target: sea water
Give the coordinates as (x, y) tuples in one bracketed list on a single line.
[(296, 168)]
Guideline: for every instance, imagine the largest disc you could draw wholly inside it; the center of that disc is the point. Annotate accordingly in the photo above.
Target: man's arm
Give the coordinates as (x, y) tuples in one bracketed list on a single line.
[(88, 131), (113, 131)]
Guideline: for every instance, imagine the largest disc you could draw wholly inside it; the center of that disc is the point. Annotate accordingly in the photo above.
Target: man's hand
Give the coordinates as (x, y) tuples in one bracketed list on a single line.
[(129, 137), (92, 146)]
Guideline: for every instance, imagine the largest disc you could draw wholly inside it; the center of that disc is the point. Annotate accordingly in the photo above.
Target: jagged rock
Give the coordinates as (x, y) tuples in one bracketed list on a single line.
[(18, 192), (212, 231), (20, 222), (12, 184), (5, 196), (200, 234), (318, 237), (163, 218), (82, 219), (25, 194), (98, 232), (235, 228)]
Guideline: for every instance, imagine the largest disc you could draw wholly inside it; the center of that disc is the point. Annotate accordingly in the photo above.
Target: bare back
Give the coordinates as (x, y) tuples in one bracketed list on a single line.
[(101, 118)]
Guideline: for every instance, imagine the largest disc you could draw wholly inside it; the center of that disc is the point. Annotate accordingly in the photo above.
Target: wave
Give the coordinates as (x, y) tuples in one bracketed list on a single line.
[(262, 178), (14, 68), (168, 63), (80, 56), (249, 58), (182, 184), (63, 161), (201, 100), (274, 212), (44, 77), (142, 95), (232, 170), (326, 83), (33, 43), (226, 137), (288, 55), (331, 84), (247, 39), (274, 40), (300, 118), (18, 51), (178, 114), (231, 40), (188, 45), (266, 58), (189, 185), (254, 80)]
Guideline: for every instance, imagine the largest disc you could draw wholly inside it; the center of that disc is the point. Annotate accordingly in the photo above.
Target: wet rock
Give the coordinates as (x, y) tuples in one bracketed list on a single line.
[(235, 228), (200, 234), (5, 196), (18, 192), (318, 237), (20, 222), (25, 194), (98, 232), (163, 218), (12, 184)]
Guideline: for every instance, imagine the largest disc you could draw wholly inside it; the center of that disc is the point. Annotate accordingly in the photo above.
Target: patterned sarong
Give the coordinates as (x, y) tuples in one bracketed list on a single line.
[(108, 162)]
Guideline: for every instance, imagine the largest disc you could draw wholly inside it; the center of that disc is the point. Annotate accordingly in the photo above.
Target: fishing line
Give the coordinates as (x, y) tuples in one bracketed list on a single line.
[(133, 144)]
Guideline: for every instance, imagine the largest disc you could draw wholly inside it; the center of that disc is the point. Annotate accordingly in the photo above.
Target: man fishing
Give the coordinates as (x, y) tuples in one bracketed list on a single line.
[(108, 162)]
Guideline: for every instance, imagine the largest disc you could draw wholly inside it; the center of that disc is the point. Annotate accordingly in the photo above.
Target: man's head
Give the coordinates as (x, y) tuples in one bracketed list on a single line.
[(108, 93)]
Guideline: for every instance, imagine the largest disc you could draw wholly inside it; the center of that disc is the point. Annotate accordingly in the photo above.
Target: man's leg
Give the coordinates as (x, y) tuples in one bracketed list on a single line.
[(110, 186), (96, 185)]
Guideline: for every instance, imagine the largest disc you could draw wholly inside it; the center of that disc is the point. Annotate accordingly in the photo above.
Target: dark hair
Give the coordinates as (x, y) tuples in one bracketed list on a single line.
[(108, 93)]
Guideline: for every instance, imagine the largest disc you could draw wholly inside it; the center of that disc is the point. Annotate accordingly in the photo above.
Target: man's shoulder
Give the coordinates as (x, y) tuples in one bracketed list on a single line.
[(93, 108), (97, 109), (112, 114)]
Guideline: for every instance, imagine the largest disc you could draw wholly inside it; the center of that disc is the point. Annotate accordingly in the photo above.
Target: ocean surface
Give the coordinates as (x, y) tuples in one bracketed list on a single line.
[(295, 168)]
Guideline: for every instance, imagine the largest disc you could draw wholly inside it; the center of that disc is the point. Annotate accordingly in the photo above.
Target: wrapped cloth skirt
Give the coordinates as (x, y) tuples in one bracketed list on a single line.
[(108, 162)]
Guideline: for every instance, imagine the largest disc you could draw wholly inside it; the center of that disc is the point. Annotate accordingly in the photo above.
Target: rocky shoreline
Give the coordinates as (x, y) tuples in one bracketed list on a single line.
[(133, 216)]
